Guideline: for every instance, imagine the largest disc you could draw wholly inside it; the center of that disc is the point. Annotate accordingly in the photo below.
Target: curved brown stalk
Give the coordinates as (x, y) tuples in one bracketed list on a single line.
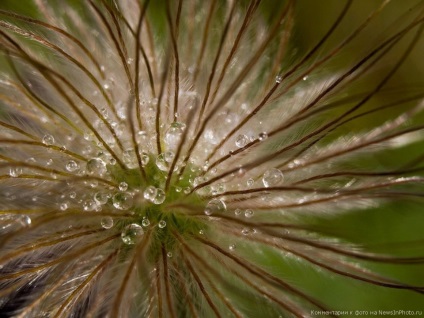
[(287, 305), (57, 49), (79, 290), (19, 251), (135, 258), (300, 116), (201, 286), (59, 260), (167, 278)]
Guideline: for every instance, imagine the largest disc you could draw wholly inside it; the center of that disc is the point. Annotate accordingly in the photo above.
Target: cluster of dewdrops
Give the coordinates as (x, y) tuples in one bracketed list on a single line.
[(124, 198)]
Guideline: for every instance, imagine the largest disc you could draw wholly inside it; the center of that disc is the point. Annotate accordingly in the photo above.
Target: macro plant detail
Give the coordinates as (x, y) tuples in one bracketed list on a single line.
[(192, 158)]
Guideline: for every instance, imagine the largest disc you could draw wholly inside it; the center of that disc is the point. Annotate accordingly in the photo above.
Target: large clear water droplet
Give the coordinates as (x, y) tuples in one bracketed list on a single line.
[(131, 233), (101, 198), (145, 222), (162, 224), (161, 163), (122, 201), (144, 159), (48, 140), (242, 141), (272, 177), (150, 193), (130, 158), (159, 197), (248, 213), (89, 205), (173, 135), (215, 206), (123, 186), (96, 166), (169, 156), (262, 136), (15, 172), (24, 220), (106, 222), (72, 166)]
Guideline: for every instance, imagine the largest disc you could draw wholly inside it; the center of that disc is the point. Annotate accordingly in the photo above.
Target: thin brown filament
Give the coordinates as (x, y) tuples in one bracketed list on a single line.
[(167, 278), (121, 291), (78, 291)]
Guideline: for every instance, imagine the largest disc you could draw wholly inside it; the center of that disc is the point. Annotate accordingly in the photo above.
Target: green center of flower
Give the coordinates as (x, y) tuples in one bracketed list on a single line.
[(151, 208)]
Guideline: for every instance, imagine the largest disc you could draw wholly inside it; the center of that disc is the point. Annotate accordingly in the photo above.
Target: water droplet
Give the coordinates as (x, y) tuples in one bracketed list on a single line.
[(101, 198), (201, 232), (187, 190), (122, 201), (130, 158), (159, 197), (73, 195), (112, 161), (272, 177), (178, 189), (220, 187), (145, 222), (232, 247), (150, 193), (89, 205), (211, 137), (250, 182), (123, 186), (106, 222), (245, 231), (262, 136), (96, 166), (241, 171), (31, 160), (215, 206), (161, 163), (248, 213), (130, 233), (169, 156), (15, 172), (237, 212), (242, 141), (144, 159), (169, 254), (72, 166), (278, 79), (24, 220), (173, 134), (48, 140), (64, 206), (142, 137), (162, 224)]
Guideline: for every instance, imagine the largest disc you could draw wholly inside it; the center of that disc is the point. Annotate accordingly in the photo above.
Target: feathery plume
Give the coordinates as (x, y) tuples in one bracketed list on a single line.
[(198, 158)]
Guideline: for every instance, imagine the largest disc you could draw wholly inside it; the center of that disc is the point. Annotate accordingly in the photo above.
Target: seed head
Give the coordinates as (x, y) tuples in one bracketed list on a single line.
[(201, 158)]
